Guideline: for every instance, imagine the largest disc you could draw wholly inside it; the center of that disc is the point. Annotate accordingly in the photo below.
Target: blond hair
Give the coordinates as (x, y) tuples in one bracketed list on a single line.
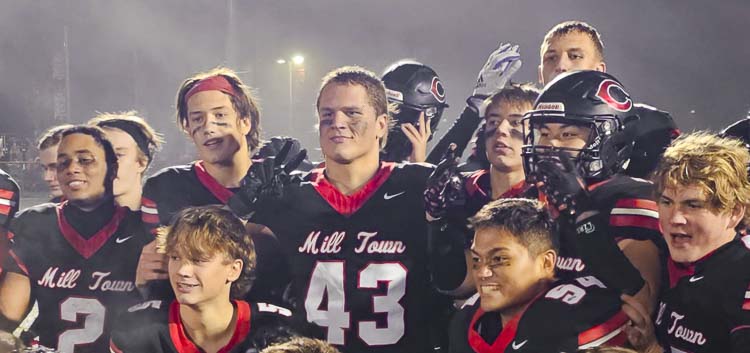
[(154, 139), (716, 165), (199, 233)]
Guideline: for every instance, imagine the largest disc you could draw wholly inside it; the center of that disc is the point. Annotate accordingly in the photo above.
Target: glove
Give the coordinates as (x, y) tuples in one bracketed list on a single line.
[(445, 186), (266, 183), (495, 74), (559, 180)]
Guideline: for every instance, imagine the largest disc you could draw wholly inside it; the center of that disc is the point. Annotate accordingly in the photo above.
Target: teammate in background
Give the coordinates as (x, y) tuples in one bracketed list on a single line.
[(502, 138), (9, 202), (211, 267), (47, 146), (76, 258), (521, 306), (419, 96), (704, 194), (135, 143), (301, 345), (576, 45), (356, 248), (220, 115)]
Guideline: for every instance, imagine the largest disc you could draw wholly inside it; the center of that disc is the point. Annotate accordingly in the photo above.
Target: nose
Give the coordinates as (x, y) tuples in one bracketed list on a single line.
[(484, 272), (340, 120), (50, 174), (675, 216), (563, 64), (184, 269)]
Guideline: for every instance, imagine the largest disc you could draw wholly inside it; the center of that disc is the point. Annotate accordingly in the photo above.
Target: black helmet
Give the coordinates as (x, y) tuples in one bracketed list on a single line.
[(414, 88), (585, 98), (654, 132), (739, 129)]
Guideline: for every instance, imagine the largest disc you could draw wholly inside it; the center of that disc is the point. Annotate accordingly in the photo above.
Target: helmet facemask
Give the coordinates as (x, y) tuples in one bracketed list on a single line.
[(604, 153)]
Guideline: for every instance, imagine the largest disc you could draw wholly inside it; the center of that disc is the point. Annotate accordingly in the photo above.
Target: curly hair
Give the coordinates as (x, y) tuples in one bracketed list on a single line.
[(205, 231), (716, 165)]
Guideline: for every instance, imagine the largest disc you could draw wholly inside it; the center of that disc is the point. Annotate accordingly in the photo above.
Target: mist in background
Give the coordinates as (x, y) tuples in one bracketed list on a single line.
[(687, 57)]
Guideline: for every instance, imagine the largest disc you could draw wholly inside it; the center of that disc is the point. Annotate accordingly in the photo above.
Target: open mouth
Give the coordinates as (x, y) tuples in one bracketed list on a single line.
[(489, 288), (680, 238), (214, 142), (76, 184), (185, 287)]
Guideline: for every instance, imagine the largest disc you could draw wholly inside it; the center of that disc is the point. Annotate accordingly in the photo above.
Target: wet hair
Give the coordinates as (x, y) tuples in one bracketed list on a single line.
[(566, 27), (526, 220), (199, 233), (244, 102), (716, 165), (373, 85), (51, 137), (109, 152), (130, 120)]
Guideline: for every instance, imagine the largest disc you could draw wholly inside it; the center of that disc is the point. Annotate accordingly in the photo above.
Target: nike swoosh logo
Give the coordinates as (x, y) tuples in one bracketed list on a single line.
[(388, 197), (122, 240), (518, 346), (695, 279)]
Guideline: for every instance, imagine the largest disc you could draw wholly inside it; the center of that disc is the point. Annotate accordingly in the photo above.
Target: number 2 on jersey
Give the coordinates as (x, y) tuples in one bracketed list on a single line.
[(328, 278), (93, 324)]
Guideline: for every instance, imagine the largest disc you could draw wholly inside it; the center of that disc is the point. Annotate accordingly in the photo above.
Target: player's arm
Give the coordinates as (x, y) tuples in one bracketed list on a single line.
[(644, 256), (494, 75), (15, 295)]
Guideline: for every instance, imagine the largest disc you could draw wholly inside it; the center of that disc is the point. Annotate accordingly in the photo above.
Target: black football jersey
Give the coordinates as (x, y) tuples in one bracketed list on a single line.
[(80, 283), (155, 327), (357, 263), (573, 314), (707, 305), (174, 188), (633, 215), (9, 197)]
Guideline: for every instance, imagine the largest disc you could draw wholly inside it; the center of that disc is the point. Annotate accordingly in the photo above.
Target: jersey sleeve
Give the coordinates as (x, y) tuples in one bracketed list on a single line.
[(738, 311), (137, 329), (633, 211), (24, 245), (9, 199), (149, 205)]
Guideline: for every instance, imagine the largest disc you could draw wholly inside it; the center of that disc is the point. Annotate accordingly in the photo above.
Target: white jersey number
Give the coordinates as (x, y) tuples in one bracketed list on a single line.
[(93, 324), (328, 279), (571, 293)]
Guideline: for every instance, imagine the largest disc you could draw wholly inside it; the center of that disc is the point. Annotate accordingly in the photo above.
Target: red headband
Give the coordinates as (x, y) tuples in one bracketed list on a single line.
[(213, 83)]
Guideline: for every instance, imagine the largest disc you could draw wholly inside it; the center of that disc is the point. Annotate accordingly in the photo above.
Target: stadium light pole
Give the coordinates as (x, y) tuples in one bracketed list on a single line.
[(295, 60)]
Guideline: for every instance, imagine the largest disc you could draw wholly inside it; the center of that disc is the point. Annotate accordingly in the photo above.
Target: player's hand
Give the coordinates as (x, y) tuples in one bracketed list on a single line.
[(418, 136), (445, 187), (151, 265), (495, 74), (266, 183), (559, 180), (640, 330)]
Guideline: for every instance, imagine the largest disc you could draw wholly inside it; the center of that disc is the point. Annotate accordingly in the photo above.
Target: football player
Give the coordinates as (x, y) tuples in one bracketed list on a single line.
[(211, 267), (502, 139), (521, 306), (76, 258), (220, 115), (704, 195), (47, 146), (9, 203), (135, 143), (419, 96), (353, 233)]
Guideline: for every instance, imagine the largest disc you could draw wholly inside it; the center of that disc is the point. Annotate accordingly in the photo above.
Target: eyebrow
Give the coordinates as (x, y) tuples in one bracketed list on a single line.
[(491, 251), (211, 109)]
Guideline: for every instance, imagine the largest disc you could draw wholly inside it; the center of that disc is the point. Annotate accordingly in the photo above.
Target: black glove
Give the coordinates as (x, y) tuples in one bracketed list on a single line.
[(265, 182), (564, 187), (445, 187)]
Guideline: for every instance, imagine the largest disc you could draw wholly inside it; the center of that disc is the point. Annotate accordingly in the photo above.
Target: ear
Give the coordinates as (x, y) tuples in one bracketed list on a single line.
[(381, 122), (245, 125), (548, 259), (601, 67), (235, 270), (142, 164), (736, 216), (539, 75)]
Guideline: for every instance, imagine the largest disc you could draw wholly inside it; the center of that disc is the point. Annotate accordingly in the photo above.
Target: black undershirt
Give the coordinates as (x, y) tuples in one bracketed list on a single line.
[(88, 223)]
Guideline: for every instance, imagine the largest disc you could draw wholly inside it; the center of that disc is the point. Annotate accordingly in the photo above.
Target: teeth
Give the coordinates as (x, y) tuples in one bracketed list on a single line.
[(75, 183)]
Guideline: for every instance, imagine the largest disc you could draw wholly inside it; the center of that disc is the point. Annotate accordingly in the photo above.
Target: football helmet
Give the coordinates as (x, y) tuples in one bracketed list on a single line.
[(591, 99), (740, 129)]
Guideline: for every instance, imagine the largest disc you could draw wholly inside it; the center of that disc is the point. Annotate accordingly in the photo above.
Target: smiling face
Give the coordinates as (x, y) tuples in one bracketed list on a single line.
[(691, 228), (215, 128), (504, 137), (506, 274), (349, 127), (81, 169), (202, 280)]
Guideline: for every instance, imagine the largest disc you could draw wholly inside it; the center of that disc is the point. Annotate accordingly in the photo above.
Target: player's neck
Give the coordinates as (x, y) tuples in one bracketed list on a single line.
[(348, 178), (209, 325), (230, 174), (131, 199), (502, 181)]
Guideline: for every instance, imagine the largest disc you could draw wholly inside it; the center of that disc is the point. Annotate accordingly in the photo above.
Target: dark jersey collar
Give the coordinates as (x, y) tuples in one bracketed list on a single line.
[(87, 247), (678, 270)]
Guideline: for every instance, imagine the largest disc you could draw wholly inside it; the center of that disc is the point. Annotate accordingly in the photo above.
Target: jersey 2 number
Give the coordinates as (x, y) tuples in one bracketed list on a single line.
[(93, 324), (328, 279)]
